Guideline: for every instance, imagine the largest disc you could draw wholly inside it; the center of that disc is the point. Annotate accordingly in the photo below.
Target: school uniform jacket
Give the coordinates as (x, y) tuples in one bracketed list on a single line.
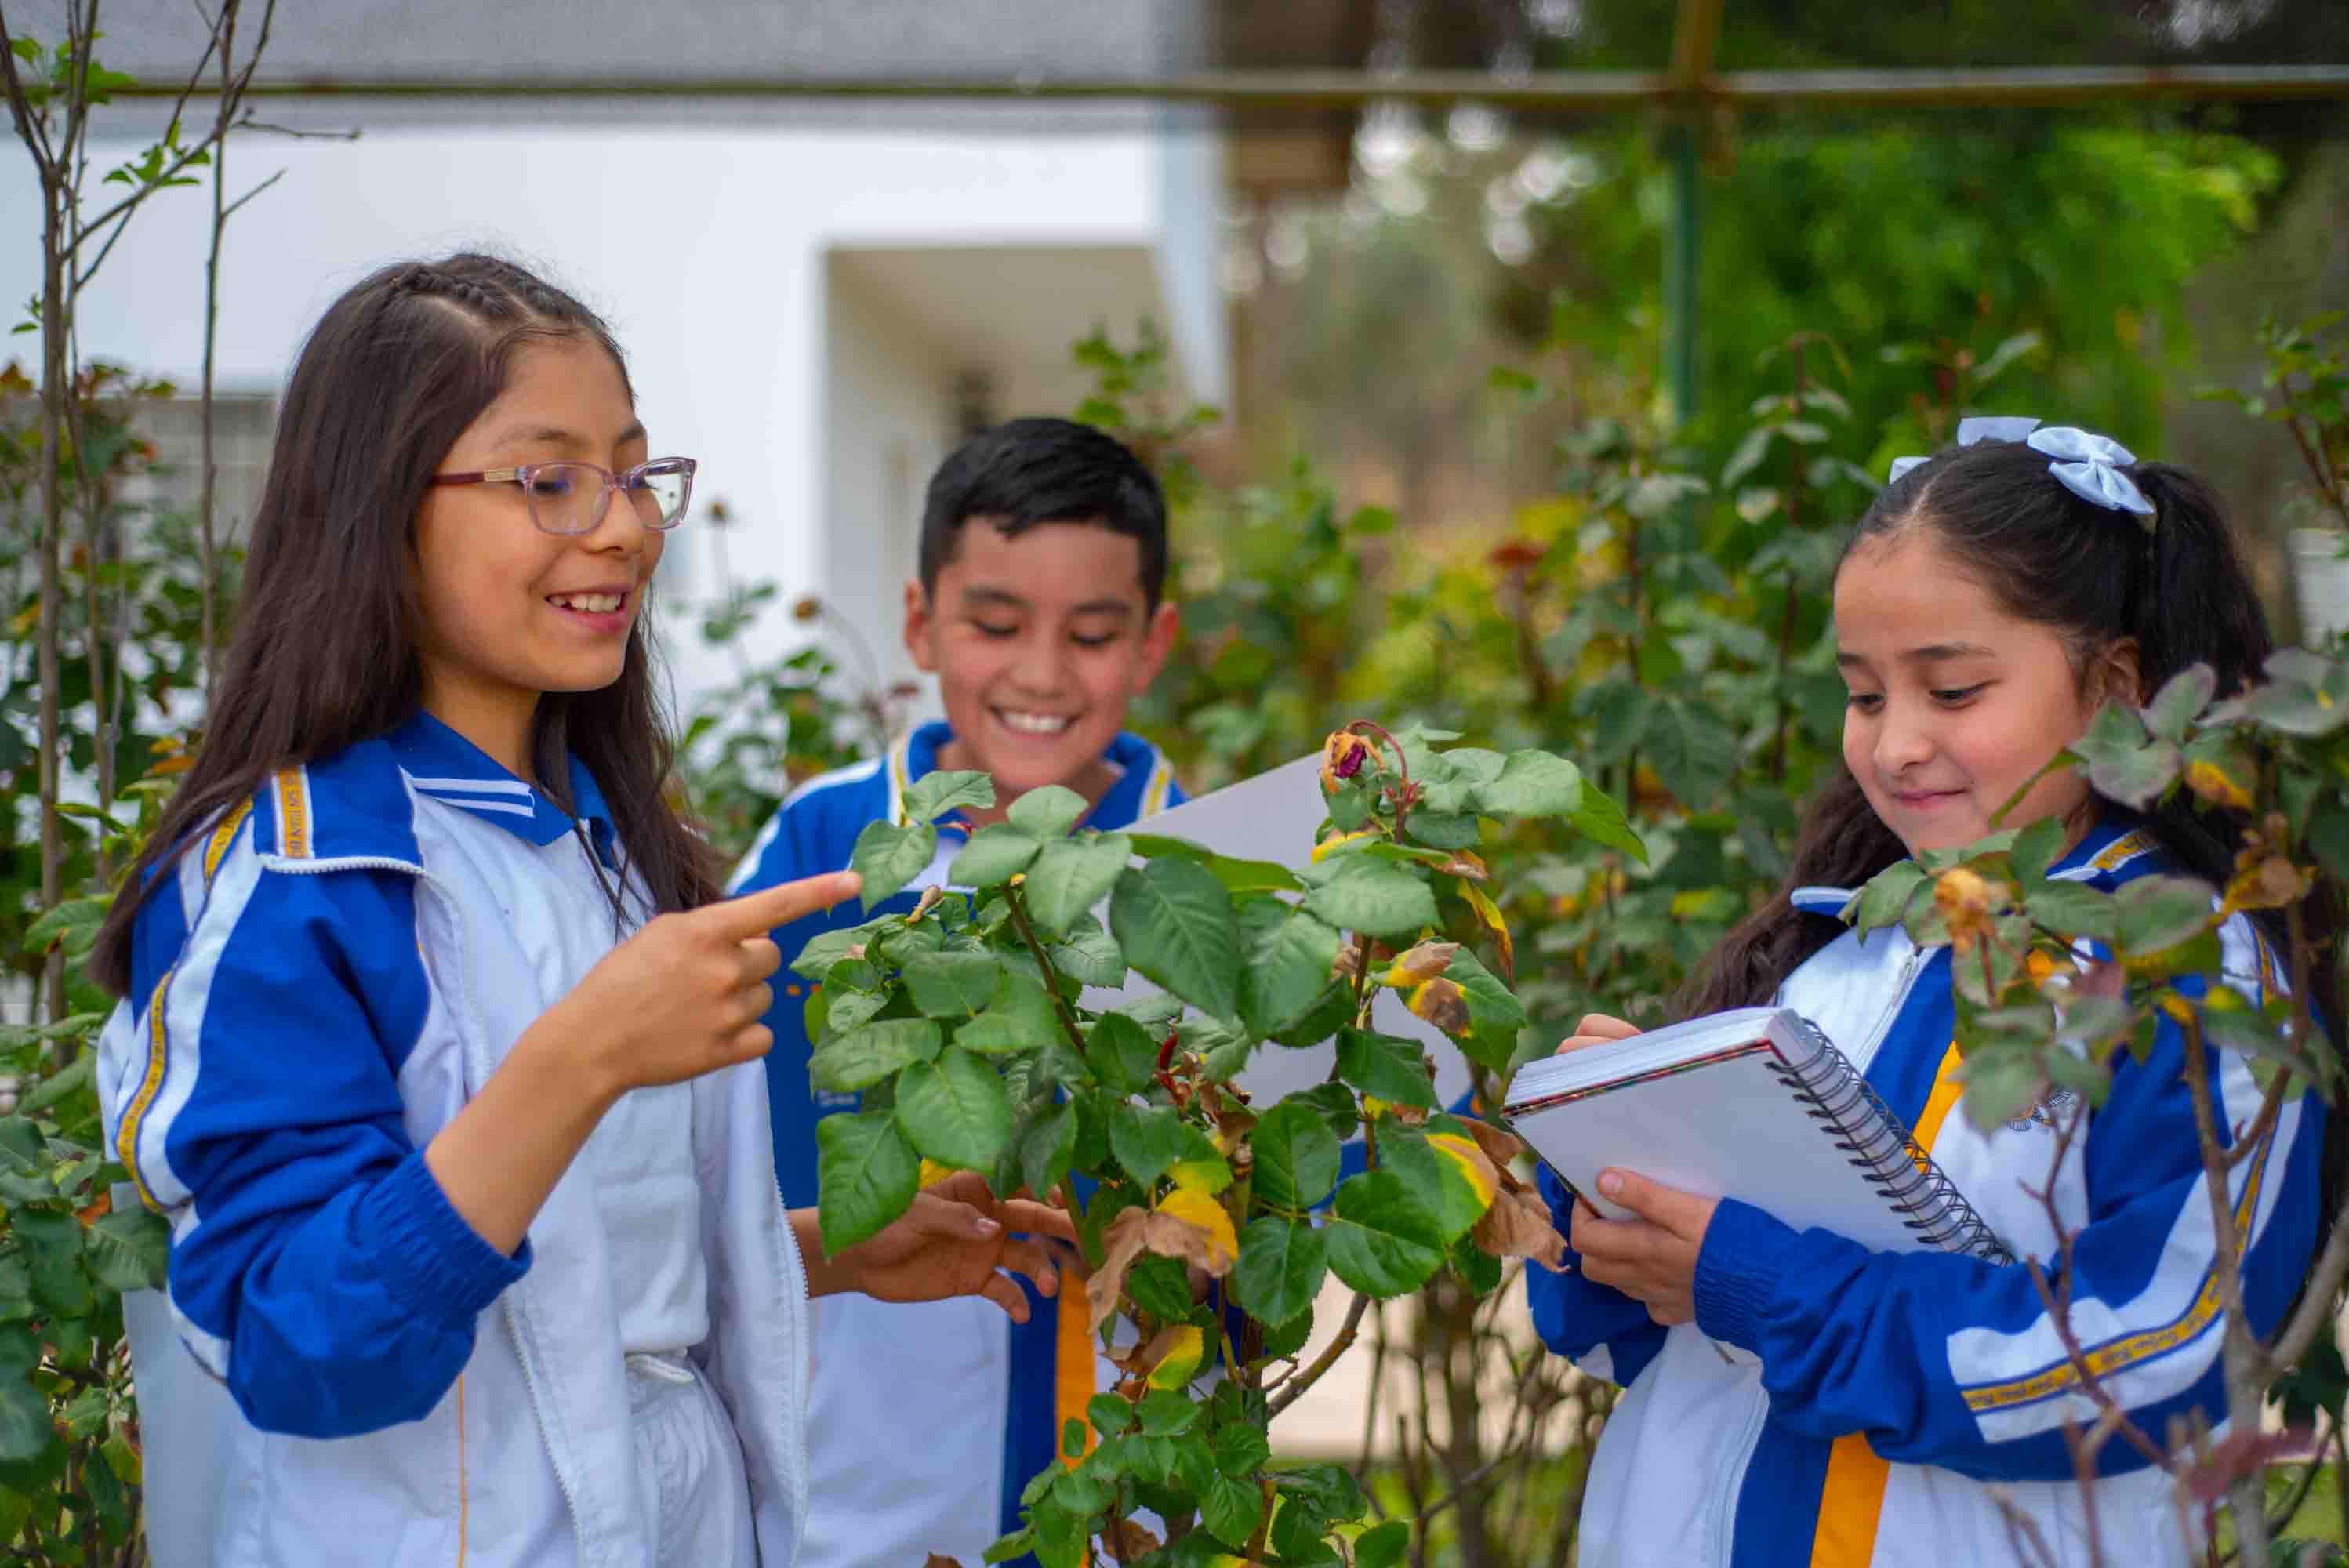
[(1835, 1405), (927, 1419), (320, 982)]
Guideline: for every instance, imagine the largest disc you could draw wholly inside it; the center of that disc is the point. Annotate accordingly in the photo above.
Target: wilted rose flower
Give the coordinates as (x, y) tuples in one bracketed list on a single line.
[(1343, 757)]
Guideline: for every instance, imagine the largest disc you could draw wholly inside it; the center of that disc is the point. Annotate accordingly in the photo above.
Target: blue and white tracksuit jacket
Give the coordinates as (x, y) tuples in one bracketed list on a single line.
[(320, 982), (1835, 1405), (986, 1396)]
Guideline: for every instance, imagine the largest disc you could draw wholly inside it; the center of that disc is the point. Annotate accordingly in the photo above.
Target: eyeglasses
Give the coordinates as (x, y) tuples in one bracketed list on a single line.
[(569, 499)]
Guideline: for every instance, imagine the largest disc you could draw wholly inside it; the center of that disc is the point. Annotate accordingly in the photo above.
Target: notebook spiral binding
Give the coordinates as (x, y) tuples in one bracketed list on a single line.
[(1867, 1131)]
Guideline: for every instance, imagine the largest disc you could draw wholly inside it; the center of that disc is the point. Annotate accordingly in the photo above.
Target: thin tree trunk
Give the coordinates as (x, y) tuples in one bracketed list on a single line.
[(208, 539), (54, 392)]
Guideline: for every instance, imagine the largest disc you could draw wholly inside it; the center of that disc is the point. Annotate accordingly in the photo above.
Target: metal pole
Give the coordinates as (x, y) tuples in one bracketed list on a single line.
[(1682, 254), (1533, 91)]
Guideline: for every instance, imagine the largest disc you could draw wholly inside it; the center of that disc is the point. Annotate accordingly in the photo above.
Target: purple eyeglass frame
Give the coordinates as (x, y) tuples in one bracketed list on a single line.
[(524, 473)]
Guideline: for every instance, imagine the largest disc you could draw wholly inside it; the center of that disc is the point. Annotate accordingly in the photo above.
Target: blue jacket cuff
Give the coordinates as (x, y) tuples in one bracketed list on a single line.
[(435, 1264), (1737, 1272)]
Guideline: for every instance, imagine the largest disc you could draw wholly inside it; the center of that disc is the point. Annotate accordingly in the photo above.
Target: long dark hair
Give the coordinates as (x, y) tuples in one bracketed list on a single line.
[(2179, 592), (325, 650)]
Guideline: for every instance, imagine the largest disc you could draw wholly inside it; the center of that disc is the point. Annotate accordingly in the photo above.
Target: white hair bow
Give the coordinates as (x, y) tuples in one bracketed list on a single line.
[(2086, 464)]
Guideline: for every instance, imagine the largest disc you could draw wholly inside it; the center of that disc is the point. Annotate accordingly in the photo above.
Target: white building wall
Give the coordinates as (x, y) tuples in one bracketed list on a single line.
[(889, 421), (706, 249)]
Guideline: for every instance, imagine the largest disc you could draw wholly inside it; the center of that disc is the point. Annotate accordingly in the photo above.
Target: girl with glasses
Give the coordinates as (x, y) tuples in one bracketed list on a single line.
[(437, 1045)]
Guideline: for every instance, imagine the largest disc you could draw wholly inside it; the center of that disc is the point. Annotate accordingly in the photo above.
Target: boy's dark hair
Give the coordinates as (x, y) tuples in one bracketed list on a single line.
[(2097, 577), (1029, 472), (325, 650)]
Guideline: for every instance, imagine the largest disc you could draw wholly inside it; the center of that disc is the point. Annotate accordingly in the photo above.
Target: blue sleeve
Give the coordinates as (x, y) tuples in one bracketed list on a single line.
[(1949, 1360), (317, 1267), (1598, 1327)]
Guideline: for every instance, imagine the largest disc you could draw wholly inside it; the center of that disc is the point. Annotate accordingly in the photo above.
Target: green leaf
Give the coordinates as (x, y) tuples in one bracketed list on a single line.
[(2073, 909), (1289, 951), (1385, 1546), (825, 949), (1601, 820), (1999, 1087), (1166, 1413), (1150, 1142), (1438, 1182), (73, 1080), (1393, 1068), (1885, 900), (954, 1109), (15, 1289), (1048, 811), (129, 1248), (2036, 848), (51, 1242), (866, 1175), (1019, 1016), (2158, 913), (996, 853), (1046, 1148), (1121, 1054), (888, 857), (933, 795), (26, 1433), (1231, 1509), (1236, 875), (1382, 1241), (1360, 892), (952, 985), (2181, 699), (1174, 921), (1280, 1269), (1072, 875), (1532, 784), (871, 1052), (70, 927), (1090, 955), (1296, 1157), (1110, 1415)]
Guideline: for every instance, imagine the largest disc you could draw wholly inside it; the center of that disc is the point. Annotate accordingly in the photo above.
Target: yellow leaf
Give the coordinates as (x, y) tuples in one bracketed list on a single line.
[(1490, 913), (1329, 847), (1198, 1208), (933, 1173), (2176, 1006), (1186, 1347), (1465, 1153), (2210, 781), (1445, 1004), (1205, 1177)]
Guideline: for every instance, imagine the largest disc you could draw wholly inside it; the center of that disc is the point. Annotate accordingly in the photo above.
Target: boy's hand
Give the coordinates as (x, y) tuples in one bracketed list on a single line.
[(954, 1241), (1651, 1259)]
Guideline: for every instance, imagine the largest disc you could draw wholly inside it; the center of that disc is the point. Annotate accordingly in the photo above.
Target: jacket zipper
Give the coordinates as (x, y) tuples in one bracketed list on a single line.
[(1741, 1453), (514, 1311)]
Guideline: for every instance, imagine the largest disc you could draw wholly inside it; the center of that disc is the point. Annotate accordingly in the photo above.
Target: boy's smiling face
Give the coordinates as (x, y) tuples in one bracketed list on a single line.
[(1039, 643)]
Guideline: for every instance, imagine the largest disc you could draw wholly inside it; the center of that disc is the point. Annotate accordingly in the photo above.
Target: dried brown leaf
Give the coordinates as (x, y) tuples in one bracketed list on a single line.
[(1517, 1225)]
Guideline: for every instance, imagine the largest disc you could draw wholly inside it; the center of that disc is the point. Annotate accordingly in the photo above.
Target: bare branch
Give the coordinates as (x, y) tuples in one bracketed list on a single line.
[(296, 132), (231, 210), (1294, 1389)]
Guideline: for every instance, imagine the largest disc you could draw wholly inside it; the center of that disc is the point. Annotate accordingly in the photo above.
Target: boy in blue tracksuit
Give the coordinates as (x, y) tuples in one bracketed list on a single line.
[(1037, 607)]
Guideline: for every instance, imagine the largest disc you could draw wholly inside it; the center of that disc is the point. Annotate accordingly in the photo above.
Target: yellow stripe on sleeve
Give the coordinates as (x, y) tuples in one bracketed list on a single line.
[(1072, 1368)]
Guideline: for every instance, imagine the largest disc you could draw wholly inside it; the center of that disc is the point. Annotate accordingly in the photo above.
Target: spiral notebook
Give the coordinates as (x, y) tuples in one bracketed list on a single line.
[(1757, 1105)]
